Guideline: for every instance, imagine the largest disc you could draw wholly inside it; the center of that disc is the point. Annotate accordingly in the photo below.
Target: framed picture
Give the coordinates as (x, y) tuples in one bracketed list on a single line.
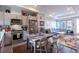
[(41, 23)]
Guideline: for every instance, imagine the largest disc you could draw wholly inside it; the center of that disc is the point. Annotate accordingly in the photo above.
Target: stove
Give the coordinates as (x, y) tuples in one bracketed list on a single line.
[(17, 34)]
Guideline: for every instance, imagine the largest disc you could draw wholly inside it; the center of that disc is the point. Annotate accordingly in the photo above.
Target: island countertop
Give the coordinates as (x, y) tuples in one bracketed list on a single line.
[(1, 35)]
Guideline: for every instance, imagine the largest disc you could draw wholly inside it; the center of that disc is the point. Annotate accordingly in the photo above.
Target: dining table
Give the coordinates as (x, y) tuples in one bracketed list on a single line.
[(34, 38)]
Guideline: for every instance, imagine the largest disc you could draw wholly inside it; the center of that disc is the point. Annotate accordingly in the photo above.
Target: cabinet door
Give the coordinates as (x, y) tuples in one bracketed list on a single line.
[(7, 19), (19, 16), (1, 18), (24, 20), (15, 16), (33, 26), (32, 17), (7, 39)]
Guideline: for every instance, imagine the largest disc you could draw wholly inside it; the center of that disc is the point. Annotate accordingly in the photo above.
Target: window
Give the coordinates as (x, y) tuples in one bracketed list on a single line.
[(59, 25), (50, 24), (69, 25)]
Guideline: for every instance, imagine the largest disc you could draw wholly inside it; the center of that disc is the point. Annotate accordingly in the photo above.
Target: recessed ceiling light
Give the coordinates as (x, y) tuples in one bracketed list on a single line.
[(53, 13), (70, 9), (50, 15)]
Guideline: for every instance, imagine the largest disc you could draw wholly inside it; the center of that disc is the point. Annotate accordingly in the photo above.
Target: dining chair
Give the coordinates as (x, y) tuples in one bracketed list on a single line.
[(52, 42), (41, 45), (29, 46)]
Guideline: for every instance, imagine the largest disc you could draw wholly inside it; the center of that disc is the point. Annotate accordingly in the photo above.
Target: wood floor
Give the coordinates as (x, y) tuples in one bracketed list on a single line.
[(23, 49), (20, 49)]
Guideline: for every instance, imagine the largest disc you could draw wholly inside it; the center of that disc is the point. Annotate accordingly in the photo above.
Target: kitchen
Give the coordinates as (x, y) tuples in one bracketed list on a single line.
[(24, 28), (14, 21)]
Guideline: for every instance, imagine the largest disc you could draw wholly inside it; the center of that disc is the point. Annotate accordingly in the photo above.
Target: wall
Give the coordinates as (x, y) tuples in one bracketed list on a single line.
[(3, 8), (13, 8), (76, 26), (40, 17)]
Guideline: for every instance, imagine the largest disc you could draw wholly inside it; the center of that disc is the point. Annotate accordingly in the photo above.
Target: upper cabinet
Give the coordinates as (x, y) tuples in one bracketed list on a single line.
[(32, 17), (24, 20), (7, 18), (1, 18), (16, 16)]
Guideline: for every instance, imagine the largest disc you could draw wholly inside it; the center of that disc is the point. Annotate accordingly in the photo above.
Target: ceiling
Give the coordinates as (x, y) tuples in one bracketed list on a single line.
[(56, 10), (53, 11)]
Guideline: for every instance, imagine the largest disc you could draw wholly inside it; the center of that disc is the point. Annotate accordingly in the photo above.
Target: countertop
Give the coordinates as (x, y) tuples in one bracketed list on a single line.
[(1, 35), (38, 37)]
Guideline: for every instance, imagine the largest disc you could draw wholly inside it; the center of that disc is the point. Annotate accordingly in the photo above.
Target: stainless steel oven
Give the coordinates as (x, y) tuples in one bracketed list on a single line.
[(17, 34), (16, 27)]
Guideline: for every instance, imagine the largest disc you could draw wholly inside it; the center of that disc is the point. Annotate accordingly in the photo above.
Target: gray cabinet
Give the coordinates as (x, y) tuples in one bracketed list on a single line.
[(16, 16), (7, 18), (24, 20), (7, 38), (1, 18)]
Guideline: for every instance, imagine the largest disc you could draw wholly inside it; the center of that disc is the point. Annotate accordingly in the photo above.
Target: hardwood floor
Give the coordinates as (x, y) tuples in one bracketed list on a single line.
[(23, 49), (20, 49)]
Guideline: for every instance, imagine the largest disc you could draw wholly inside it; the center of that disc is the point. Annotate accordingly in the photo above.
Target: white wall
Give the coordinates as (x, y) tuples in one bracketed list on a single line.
[(76, 26), (13, 8), (3, 8)]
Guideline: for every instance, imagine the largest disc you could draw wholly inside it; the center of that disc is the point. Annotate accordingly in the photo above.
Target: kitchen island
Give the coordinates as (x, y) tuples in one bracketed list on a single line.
[(1, 41)]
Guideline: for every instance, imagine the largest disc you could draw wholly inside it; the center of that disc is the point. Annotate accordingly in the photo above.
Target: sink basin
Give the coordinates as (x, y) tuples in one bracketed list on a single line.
[(1, 35)]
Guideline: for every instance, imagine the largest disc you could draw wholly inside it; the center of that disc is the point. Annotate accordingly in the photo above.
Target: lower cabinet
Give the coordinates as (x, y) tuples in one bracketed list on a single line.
[(7, 38)]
